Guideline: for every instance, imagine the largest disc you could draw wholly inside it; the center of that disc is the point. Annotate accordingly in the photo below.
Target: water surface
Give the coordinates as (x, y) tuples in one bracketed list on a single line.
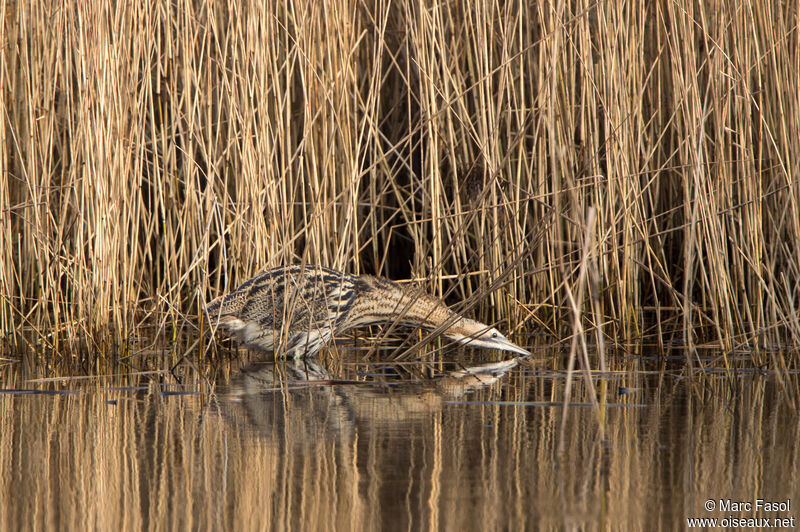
[(395, 447)]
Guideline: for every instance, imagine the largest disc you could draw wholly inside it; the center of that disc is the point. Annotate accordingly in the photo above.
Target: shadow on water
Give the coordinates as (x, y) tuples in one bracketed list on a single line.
[(469, 446)]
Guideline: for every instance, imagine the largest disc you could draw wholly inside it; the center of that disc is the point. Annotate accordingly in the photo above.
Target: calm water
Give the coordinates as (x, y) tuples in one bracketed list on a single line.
[(395, 447)]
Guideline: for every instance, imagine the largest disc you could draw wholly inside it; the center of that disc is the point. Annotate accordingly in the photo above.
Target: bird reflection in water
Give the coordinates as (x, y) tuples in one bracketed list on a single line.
[(303, 398)]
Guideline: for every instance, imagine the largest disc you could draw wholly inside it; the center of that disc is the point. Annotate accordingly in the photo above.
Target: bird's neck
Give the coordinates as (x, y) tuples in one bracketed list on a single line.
[(386, 301)]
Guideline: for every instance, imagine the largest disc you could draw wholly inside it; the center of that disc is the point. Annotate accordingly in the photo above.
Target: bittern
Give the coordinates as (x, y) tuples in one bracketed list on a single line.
[(297, 310)]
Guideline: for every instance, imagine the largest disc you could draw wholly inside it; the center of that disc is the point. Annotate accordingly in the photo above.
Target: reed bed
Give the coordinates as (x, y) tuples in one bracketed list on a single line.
[(154, 154)]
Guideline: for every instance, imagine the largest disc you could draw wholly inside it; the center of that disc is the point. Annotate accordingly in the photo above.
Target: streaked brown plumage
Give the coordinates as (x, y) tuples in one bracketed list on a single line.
[(299, 309)]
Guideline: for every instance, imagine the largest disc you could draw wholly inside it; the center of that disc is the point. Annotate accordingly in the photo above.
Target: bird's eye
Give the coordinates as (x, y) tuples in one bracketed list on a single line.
[(494, 335)]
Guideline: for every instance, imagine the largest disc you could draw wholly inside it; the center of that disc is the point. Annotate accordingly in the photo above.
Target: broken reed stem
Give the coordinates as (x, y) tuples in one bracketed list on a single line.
[(578, 333)]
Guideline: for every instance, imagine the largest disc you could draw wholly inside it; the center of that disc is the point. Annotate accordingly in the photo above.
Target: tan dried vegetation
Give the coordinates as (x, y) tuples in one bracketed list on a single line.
[(154, 154)]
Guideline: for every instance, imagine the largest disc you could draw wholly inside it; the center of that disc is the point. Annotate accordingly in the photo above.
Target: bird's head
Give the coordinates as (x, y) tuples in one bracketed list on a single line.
[(476, 334)]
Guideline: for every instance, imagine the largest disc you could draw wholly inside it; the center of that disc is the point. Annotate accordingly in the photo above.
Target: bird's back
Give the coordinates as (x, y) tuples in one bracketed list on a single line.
[(297, 308)]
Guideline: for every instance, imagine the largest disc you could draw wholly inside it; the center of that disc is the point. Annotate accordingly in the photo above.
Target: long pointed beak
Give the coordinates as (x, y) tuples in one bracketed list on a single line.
[(498, 343), (506, 345)]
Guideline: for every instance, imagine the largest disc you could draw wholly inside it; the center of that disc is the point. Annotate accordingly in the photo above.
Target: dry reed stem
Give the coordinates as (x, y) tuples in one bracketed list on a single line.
[(154, 155)]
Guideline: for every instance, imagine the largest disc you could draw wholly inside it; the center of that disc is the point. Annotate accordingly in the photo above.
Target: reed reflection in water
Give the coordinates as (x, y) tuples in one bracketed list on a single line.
[(298, 447)]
